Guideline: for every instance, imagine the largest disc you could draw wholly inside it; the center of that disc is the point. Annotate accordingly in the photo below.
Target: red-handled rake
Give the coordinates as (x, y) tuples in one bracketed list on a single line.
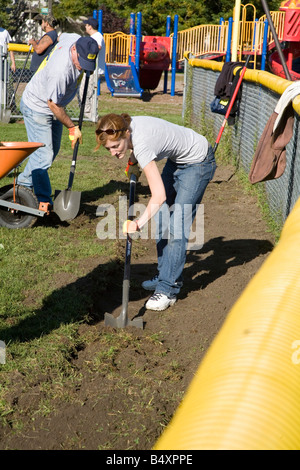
[(231, 103)]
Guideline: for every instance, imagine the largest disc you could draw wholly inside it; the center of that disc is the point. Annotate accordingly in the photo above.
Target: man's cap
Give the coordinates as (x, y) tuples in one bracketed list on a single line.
[(92, 22), (87, 49)]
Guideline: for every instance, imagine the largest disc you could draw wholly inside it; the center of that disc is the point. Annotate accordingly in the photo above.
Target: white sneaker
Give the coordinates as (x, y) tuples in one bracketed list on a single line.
[(159, 302), (151, 284)]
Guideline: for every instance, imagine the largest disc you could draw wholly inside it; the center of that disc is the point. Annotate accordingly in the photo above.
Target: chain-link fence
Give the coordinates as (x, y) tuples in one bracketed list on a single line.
[(257, 104), (9, 80)]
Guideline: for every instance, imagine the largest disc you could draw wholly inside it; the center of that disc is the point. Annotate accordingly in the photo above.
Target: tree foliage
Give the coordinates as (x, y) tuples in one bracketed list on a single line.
[(12, 15), (111, 20), (116, 13)]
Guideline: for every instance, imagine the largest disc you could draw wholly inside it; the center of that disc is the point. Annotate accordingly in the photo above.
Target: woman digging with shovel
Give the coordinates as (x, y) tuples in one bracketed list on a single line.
[(189, 168)]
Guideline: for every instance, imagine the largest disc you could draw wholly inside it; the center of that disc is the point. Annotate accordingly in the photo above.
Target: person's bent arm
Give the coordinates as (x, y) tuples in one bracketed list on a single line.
[(41, 45), (60, 114), (158, 197)]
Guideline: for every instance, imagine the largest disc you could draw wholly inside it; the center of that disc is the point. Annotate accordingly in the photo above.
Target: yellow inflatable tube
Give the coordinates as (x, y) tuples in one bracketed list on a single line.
[(245, 394)]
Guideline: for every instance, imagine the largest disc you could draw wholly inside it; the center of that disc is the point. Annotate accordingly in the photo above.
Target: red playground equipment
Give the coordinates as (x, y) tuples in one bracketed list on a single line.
[(154, 59), (291, 35)]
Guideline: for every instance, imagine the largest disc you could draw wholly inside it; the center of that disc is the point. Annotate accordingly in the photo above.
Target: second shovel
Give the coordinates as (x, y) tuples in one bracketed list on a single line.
[(66, 203)]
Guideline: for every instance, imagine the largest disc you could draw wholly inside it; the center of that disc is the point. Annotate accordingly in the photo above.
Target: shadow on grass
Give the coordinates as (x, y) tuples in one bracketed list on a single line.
[(112, 188), (89, 297)]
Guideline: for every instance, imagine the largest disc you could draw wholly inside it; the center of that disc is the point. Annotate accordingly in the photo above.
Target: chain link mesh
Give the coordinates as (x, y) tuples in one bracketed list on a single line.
[(257, 105), (73, 108)]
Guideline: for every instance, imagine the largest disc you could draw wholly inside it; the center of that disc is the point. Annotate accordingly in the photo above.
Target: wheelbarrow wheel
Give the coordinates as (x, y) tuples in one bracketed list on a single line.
[(18, 218)]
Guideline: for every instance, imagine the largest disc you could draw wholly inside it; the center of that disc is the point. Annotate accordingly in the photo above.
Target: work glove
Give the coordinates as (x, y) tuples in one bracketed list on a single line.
[(74, 135), (133, 168), (130, 227)]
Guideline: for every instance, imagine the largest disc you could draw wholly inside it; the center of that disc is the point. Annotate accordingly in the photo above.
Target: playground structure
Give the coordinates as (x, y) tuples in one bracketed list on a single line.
[(135, 63), (291, 36), (233, 40)]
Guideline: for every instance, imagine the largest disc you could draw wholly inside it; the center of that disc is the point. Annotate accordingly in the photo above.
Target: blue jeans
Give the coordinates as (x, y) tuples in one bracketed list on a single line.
[(40, 128), (185, 186)]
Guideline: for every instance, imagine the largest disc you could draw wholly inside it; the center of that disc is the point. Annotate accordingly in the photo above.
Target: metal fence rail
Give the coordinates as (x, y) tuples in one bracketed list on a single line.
[(257, 104)]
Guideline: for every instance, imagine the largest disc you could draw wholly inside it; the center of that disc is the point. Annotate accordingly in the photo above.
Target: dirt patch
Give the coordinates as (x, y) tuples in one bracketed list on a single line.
[(127, 383)]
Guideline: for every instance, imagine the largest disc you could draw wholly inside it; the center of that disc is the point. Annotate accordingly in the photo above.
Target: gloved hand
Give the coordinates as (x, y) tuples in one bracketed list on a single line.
[(130, 226), (133, 168), (74, 135)]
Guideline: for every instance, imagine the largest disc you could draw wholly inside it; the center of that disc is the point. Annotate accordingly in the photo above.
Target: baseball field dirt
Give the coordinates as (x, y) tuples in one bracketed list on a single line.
[(126, 384)]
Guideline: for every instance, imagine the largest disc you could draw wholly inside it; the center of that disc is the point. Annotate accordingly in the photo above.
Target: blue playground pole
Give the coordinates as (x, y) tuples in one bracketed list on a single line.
[(174, 53), (138, 41), (100, 15), (132, 31), (168, 30), (228, 51), (220, 24), (97, 15), (265, 45), (254, 34), (132, 23)]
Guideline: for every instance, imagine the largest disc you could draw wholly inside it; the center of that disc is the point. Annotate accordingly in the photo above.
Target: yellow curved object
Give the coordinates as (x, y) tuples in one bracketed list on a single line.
[(18, 47), (245, 394), (267, 79)]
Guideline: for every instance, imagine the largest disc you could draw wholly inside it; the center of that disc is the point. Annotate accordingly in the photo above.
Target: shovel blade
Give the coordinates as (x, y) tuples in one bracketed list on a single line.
[(66, 204), (6, 114), (121, 322)]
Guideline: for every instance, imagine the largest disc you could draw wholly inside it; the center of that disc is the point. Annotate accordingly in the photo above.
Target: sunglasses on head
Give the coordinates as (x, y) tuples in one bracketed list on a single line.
[(109, 131)]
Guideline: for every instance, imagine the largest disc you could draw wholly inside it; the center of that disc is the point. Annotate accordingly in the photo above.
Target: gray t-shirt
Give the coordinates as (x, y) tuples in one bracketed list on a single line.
[(155, 139), (57, 78)]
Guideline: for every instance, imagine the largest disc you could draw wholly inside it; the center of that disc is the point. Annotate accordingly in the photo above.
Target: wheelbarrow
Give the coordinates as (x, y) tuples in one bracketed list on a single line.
[(19, 207)]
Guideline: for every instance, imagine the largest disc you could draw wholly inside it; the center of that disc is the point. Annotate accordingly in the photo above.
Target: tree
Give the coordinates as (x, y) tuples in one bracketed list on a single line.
[(116, 13), (14, 15), (111, 21)]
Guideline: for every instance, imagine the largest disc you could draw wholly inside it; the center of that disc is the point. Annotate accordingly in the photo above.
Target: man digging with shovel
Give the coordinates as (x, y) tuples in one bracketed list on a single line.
[(43, 104)]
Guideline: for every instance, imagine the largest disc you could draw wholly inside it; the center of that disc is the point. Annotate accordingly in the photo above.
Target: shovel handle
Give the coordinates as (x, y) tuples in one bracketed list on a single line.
[(130, 217), (231, 102), (75, 152)]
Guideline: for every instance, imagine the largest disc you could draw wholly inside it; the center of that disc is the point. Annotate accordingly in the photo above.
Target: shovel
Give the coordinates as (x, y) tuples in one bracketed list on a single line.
[(7, 112), (122, 320), (66, 203)]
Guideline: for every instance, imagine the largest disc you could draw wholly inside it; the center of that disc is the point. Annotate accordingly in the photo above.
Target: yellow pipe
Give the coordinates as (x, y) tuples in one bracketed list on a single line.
[(267, 79), (18, 47), (245, 394), (235, 30)]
